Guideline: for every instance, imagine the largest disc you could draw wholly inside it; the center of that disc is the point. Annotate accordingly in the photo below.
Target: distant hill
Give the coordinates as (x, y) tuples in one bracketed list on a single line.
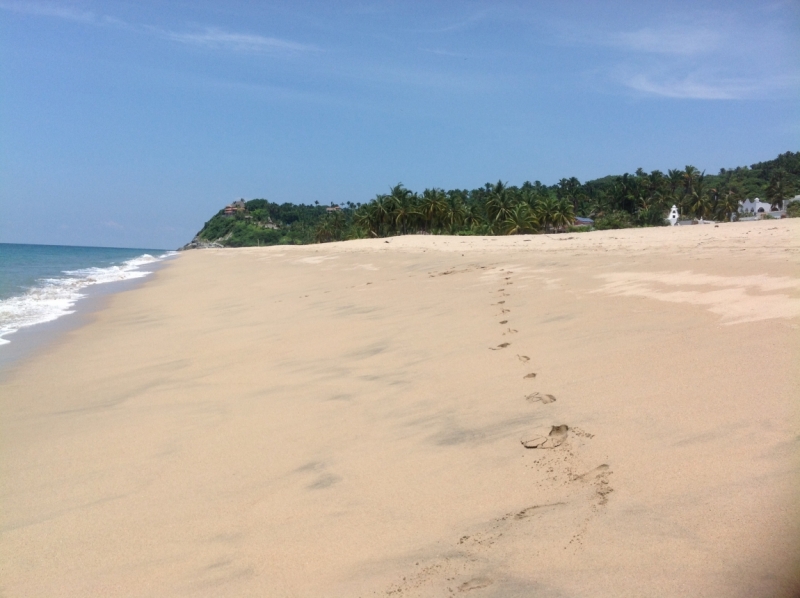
[(613, 201)]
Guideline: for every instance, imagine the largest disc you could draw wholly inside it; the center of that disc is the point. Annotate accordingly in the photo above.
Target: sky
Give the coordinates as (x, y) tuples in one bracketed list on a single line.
[(130, 123)]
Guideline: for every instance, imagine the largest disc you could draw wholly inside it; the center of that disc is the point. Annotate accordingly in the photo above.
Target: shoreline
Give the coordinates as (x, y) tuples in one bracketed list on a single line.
[(26, 342), (368, 417)]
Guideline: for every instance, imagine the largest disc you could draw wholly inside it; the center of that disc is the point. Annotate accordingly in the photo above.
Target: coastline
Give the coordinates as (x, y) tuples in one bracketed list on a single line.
[(349, 418), (27, 341)]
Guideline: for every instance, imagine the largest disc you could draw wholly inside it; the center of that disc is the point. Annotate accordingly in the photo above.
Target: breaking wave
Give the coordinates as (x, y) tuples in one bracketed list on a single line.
[(52, 298)]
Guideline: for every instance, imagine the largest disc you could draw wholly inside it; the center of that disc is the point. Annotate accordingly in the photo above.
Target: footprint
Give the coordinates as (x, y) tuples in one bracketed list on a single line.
[(500, 346), (531, 375), (594, 473), (531, 511), (475, 584), (523, 358), (558, 434), (504, 322), (598, 475), (540, 398), (511, 331)]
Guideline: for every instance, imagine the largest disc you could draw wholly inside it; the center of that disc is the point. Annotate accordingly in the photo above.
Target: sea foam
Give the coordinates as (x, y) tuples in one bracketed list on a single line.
[(52, 298)]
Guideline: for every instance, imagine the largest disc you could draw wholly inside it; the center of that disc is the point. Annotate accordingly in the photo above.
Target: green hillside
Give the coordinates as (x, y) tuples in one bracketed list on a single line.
[(614, 201)]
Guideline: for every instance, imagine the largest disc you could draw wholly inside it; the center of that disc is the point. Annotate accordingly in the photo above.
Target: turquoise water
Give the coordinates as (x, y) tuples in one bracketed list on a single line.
[(39, 283)]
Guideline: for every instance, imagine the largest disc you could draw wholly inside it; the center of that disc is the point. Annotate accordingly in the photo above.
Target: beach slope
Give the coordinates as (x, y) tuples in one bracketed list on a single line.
[(606, 414)]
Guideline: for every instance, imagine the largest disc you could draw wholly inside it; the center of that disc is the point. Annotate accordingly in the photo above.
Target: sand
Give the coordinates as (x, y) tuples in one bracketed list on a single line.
[(351, 419)]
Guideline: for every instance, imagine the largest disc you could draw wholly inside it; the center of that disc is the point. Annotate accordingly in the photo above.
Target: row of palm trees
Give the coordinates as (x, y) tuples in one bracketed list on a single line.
[(647, 197), (642, 199), (503, 211)]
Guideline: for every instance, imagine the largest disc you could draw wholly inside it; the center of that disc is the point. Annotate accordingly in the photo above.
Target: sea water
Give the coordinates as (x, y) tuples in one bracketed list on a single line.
[(40, 283)]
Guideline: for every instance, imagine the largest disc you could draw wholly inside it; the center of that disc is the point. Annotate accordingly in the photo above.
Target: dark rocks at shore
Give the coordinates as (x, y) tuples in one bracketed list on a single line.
[(198, 243)]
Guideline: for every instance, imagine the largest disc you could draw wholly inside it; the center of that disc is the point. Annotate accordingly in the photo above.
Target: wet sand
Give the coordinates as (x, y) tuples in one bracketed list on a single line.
[(30, 339), (351, 419)]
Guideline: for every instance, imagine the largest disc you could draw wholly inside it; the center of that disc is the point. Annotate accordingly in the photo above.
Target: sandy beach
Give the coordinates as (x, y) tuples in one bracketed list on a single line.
[(606, 414)]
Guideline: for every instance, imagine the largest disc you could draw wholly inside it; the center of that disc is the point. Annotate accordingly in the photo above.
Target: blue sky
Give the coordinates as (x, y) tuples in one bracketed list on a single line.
[(129, 123)]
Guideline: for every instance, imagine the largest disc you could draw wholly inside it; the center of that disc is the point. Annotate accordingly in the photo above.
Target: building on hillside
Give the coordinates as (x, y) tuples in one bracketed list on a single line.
[(333, 209), (236, 206), (581, 221)]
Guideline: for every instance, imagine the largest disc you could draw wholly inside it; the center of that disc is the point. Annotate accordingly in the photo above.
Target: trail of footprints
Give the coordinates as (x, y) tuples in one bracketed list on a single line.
[(466, 567), (560, 466)]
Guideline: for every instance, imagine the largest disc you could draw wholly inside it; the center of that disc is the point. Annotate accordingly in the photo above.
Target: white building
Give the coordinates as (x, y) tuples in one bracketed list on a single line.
[(754, 206), (786, 202)]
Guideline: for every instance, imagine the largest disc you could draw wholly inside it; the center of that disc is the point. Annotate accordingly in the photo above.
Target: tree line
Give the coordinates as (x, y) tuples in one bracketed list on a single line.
[(631, 199)]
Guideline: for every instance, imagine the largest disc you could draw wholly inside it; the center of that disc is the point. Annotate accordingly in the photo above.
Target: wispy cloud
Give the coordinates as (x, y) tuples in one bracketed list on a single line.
[(724, 56), (666, 40), (709, 87), (59, 11), (457, 25), (691, 87), (209, 37), (212, 37), (444, 53)]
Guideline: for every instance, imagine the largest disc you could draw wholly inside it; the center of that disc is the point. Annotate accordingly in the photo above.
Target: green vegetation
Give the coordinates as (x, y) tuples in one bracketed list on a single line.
[(639, 199)]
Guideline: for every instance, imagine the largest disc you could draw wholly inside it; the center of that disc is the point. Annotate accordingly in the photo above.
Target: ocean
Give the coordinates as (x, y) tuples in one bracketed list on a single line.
[(40, 283)]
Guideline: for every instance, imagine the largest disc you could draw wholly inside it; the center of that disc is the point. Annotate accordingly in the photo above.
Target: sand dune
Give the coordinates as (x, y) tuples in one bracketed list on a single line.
[(605, 414)]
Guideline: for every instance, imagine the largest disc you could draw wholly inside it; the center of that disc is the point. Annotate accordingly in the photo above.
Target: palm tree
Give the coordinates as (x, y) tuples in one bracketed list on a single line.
[(473, 218), (674, 179), (564, 215), (455, 213), (323, 232), (625, 190), (404, 212), (570, 189), (546, 210), (689, 176), (432, 207), (367, 218), (701, 205), (499, 204), (728, 204), (384, 210), (778, 188), (520, 220)]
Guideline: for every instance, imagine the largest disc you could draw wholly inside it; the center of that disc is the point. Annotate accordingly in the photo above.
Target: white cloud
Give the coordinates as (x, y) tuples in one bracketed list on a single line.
[(731, 55), (458, 25), (667, 40), (693, 88), (242, 42), (59, 11), (210, 37)]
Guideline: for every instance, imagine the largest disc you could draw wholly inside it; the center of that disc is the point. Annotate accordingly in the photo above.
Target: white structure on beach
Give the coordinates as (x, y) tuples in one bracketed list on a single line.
[(786, 202), (755, 206), (673, 216)]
